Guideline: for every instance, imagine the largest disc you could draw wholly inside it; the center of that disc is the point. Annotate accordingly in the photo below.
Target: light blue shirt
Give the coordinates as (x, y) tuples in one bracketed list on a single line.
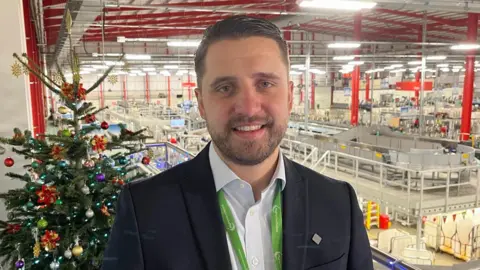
[(251, 218)]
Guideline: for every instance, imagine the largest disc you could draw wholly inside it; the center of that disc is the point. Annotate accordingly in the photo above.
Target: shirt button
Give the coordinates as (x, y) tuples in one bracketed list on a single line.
[(242, 185), (252, 212), (254, 261)]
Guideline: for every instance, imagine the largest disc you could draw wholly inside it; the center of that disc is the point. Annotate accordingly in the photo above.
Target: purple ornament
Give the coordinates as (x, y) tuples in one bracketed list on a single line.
[(19, 264), (100, 177)]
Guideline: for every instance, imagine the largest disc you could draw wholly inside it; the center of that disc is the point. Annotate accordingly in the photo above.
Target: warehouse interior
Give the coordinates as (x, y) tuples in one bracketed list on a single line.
[(386, 98)]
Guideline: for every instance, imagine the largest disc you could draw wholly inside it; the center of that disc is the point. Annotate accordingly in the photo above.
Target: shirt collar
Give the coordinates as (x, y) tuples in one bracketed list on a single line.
[(222, 175)]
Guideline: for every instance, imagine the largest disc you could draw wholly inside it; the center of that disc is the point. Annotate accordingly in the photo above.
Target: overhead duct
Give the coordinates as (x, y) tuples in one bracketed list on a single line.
[(80, 12)]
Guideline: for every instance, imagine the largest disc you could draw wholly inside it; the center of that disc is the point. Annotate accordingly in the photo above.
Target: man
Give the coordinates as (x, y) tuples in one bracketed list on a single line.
[(240, 204)]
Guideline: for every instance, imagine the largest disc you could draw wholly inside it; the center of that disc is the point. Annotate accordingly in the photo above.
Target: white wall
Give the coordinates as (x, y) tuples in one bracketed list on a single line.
[(15, 98)]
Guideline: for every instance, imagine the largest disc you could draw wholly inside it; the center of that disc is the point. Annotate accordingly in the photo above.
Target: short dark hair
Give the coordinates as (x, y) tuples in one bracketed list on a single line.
[(234, 27)]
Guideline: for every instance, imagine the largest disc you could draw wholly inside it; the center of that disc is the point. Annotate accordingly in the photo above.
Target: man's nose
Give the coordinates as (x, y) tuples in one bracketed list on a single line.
[(248, 101)]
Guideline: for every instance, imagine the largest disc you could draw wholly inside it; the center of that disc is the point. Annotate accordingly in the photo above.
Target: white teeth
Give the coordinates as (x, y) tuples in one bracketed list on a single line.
[(248, 128)]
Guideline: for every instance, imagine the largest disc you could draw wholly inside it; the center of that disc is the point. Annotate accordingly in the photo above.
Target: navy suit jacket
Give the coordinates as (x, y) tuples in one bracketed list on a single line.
[(172, 221)]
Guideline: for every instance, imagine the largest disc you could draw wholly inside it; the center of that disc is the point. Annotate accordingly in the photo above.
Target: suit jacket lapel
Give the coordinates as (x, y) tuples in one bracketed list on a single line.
[(295, 223), (202, 206)]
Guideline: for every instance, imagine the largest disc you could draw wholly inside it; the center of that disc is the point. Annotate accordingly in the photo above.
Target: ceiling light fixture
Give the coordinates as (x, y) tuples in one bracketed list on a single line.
[(344, 45), (338, 4), (396, 65), (138, 57), (464, 47), (165, 73), (436, 57), (412, 63), (344, 58), (356, 63), (186, 43), (170, 66), (106, 54), (317, 71), (294, 72), (442, 65)]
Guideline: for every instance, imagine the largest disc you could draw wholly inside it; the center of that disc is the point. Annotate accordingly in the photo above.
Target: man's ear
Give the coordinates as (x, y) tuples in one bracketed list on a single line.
[(201, 108), (290, 96)]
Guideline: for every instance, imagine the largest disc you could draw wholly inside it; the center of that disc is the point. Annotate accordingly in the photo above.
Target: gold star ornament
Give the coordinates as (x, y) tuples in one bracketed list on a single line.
[(112, 79), (16, 69)]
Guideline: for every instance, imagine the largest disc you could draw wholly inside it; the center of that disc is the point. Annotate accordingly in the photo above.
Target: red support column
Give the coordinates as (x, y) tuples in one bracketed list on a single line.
[(469, 79), (312, 93), (367, 87), (418, 75), (301, 90), (147, 88), (124, 87), (357, 35), (169, 92), (36, 89), (189, 88)]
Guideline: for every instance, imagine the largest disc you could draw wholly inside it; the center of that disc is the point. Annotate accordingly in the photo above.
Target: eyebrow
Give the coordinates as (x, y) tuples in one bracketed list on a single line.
[(223, 79), (262, 75), (265, 75)]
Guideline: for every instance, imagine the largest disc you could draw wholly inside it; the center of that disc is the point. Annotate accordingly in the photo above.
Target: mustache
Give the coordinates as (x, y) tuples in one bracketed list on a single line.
[(242, 120)]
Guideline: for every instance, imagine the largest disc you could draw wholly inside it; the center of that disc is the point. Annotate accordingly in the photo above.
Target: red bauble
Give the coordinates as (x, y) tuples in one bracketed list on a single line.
[(104, 125), (89, 118), (145, 160), (173, 140), (9, 162)]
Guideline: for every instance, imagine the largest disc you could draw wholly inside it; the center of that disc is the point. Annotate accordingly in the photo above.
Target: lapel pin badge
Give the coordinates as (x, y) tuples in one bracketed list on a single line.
[(317, 239)]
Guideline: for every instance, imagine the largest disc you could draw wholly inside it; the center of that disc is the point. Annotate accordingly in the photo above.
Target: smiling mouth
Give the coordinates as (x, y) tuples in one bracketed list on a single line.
[(249, 128)]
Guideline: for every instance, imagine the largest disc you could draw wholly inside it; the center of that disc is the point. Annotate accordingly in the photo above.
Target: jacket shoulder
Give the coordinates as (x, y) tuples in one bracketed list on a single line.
[(167, 178), (315, 177)]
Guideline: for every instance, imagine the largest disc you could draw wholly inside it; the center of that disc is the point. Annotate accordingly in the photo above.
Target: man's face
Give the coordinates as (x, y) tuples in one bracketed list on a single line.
[(245, 98)]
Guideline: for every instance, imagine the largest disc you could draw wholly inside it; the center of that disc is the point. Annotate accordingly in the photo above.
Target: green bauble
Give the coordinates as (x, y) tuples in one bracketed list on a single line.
[(42, 223), (58, 202), (91, 176), (30, 205), (66, 133), (122, 160), (35, 164), (62, 164)]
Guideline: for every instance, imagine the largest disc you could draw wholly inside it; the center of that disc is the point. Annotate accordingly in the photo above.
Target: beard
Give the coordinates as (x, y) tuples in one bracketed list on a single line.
[(248, 152)]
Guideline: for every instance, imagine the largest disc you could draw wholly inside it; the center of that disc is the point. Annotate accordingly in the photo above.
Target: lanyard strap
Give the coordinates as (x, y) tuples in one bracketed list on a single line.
[(276, 228)]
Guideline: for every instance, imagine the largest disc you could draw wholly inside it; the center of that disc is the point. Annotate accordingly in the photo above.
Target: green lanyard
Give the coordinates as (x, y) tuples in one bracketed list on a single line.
[(276, 228)]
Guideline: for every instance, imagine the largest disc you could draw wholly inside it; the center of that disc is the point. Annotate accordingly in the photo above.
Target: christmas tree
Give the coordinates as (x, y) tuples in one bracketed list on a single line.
[(62, 217)]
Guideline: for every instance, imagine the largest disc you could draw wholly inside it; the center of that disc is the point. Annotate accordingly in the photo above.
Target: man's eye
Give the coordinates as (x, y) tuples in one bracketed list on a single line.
[(265, 84), (224, 88)]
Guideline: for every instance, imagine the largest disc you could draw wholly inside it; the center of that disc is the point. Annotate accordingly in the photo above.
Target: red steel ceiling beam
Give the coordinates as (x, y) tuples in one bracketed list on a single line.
[(52, 22), (98, 31), (346, 32), (226, 3), (53, 12), (154, 15), (48, 3), (394, 31), (410, 26), (144, 34), (417, 15)]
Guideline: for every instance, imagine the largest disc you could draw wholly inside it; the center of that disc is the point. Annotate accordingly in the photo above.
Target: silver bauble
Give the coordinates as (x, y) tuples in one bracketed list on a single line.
[(54, 265), (67, 254), (89, 213), (85, 190)]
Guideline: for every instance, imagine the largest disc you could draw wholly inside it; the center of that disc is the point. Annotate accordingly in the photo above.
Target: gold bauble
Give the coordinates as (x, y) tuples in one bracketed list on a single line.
[(62, 109), (77, 251)]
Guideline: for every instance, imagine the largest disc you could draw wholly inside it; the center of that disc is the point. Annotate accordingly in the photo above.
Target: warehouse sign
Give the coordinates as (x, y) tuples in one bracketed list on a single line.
[(413, 86), (189, 84)]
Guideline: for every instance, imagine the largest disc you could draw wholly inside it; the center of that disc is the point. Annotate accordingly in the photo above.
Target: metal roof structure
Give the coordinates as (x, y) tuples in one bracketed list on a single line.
[(98, 21)]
